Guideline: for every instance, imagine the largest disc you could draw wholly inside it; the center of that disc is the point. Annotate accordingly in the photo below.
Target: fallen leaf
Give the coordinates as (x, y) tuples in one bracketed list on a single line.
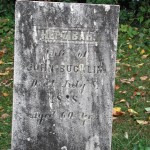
[(118, 68), (142, 51), (132, 79), (5, 94), (130, 46), (118, 61), (142, 122), (6, 123), (140, 65), (127, 104), (125, 81), (141, 88), (143, 93), (143, 78), (1, 109), (4, 116), (128, 81), (117, 112), (123, 92), (1, 62), (4, 73), (147, 109), (9, 68), (126, 135), (144, 56), (132, 97), (127, 65), (114, 118), (143, 99), (134, 93), (117, 87), (117, 108), (138, 93), (2, 52), (132, 112), (121, 101), (129, 69)]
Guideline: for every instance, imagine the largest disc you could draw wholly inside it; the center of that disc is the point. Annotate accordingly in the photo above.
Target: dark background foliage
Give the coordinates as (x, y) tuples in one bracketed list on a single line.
[(135, 11)]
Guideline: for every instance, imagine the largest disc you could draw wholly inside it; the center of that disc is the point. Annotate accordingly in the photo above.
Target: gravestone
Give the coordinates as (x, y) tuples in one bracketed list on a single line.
[(63, 76)]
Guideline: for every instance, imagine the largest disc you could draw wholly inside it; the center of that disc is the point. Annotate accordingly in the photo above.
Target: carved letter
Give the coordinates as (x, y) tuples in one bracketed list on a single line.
[(57, 35), (34, 83), (30, 67), (63, 115), (99, 69), (74, 98), (89, 69), (82, 36), (62, 68), (70, 115), (69, 68), (76, 68), (75, 35), (36, 66), (51, 68), (66, 35), (43, 67), (82, 89), (41, 116), (43, 35), (51, 34), (62, 52), (89, 36)]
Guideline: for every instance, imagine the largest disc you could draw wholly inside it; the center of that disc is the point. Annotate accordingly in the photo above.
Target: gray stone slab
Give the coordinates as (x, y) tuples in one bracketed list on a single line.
[(64, 76)]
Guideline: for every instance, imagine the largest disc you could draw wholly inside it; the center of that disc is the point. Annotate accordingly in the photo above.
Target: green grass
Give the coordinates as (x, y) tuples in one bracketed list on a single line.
[(138, 135), (6, 44)]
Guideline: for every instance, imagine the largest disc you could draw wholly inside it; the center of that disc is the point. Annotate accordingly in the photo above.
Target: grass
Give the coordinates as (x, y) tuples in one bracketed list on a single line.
[(6, 82), (133, 62), (133, 65)]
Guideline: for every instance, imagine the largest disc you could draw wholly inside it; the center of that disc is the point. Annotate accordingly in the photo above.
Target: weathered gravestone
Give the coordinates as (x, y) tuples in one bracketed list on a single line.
[(64, 76)]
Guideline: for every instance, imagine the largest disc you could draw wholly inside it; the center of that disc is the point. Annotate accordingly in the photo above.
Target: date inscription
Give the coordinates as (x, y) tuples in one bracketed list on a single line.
[(41, 118)]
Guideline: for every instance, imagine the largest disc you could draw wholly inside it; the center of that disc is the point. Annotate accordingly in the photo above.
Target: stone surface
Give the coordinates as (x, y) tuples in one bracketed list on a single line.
[(63, 76)]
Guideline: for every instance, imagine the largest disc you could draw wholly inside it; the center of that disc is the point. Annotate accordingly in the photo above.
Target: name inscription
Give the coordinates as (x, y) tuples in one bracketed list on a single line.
[(67, 35), (45, 67)]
